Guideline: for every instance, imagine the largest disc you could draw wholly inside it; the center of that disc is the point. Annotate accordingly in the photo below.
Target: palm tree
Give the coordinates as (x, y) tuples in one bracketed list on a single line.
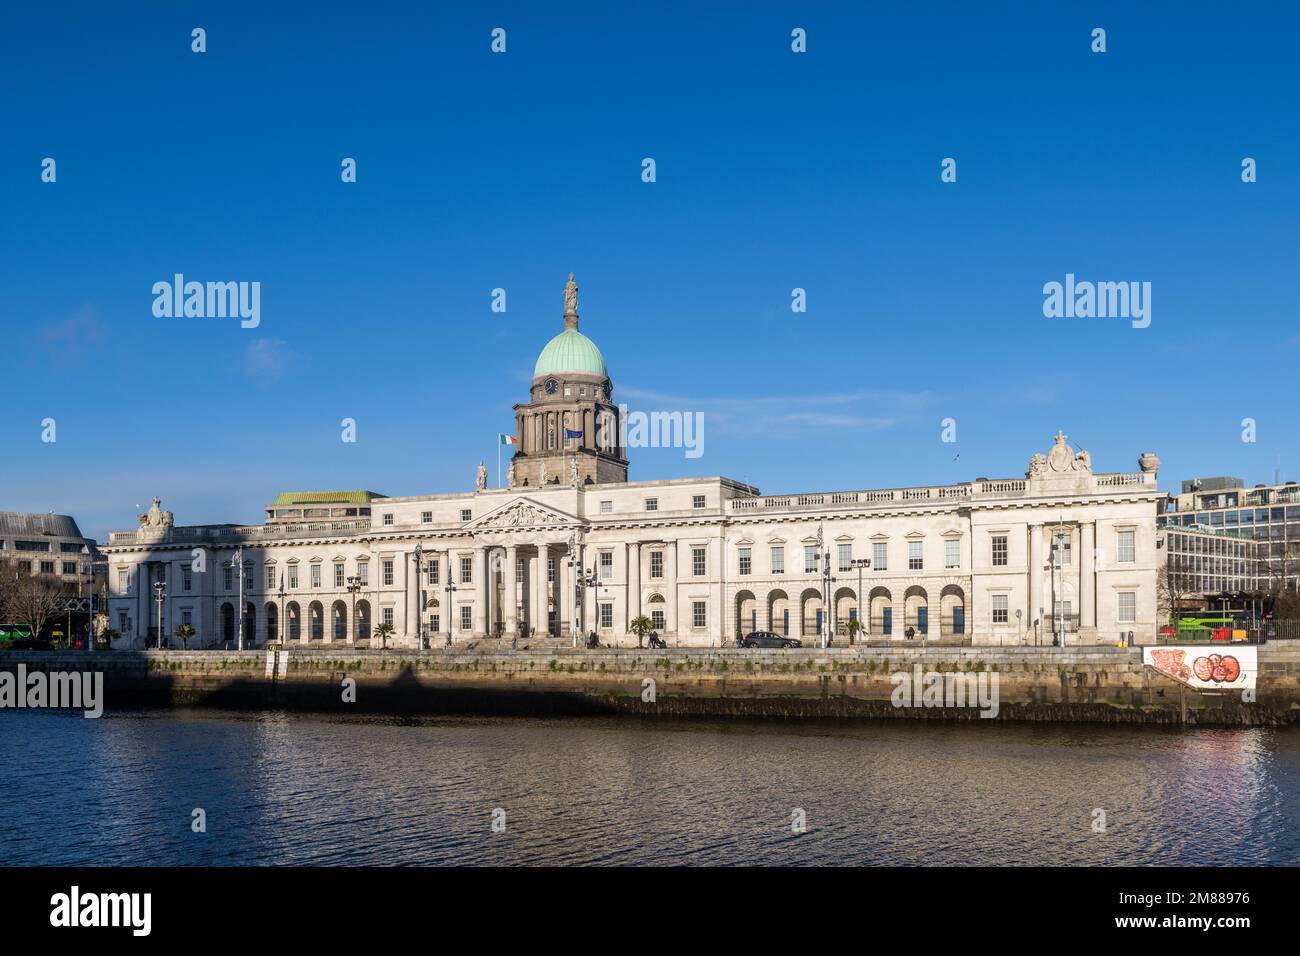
[(383, 629), (641, 626), (183, 633), (854, 626)]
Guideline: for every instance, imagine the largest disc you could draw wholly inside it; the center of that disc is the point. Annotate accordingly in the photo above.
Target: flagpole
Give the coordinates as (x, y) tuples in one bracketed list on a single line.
[(498, 461)]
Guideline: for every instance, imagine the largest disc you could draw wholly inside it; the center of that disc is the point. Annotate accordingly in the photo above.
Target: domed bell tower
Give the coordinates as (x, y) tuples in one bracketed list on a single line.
[(569, 431)]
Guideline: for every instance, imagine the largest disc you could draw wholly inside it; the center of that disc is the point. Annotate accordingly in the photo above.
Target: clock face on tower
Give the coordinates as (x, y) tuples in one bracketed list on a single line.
[(552, 386)]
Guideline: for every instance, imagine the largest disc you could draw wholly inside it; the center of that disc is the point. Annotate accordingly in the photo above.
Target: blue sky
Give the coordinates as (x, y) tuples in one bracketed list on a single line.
[(774, 171)]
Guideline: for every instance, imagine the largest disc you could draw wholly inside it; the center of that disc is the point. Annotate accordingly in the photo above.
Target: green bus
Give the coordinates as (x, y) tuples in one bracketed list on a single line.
[(15, 632), (1201, 628)]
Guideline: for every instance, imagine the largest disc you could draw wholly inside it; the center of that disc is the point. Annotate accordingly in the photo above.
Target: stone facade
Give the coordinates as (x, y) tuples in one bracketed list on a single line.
[(705, 559)]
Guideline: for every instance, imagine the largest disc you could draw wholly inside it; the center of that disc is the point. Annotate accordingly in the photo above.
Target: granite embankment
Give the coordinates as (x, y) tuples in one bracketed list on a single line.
[(1093, 684)]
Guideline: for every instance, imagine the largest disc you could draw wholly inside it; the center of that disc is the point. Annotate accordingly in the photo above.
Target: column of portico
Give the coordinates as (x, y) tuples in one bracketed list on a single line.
[(670, 586), (633, 583), (512, 592), (564, 600), (444, 606), (142, 602), (1087, 577), (1036, 577), (537, 592), (482, 569)]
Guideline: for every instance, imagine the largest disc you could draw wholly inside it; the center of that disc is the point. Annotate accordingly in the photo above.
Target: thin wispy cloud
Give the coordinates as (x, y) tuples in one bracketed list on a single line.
[(75, 337), (792, 415), (268, 358)]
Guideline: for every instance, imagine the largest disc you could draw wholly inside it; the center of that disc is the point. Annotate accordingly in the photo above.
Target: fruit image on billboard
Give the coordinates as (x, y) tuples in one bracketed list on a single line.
[(1205, 668)]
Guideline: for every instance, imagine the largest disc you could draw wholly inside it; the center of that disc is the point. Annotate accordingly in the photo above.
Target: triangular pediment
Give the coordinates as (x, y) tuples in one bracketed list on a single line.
[(522, 513)]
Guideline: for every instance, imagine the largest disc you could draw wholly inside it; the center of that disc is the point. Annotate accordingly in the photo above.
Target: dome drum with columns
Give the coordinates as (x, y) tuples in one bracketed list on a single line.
[(571, 392)]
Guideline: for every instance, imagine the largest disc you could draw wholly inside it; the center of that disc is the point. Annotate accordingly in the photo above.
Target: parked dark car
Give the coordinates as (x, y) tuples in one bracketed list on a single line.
[(27, 644), (767, 639)]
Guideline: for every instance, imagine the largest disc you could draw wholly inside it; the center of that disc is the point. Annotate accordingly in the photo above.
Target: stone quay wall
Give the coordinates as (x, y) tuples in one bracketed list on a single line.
[(1084, 684)]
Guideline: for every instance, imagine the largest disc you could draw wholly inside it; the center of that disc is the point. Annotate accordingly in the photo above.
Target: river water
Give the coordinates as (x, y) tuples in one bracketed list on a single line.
[(297, 789)]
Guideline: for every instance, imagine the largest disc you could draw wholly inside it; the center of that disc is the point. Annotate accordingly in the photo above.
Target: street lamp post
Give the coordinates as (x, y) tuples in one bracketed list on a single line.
[(574, 566), (239, 590), (284, 621), (353, 586), (89, 569), (419, 595), (159, 595), (861, 564), (451, 593)]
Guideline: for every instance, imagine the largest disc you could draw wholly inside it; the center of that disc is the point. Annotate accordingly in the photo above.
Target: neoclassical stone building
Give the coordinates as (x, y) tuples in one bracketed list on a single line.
[(571, 544)]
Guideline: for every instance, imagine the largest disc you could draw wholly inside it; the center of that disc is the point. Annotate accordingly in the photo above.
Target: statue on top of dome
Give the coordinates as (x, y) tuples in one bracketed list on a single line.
[(571, 297)]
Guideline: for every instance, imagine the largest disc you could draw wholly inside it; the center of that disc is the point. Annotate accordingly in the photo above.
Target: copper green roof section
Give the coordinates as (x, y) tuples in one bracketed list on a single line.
[(326, 497), (570, 351)]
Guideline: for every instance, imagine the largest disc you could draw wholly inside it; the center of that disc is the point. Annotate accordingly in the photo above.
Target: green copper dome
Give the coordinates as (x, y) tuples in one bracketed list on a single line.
[(570, 351)]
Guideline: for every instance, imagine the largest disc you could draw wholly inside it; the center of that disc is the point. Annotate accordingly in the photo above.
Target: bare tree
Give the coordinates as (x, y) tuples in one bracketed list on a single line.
[(31, 599), (1173, 590)]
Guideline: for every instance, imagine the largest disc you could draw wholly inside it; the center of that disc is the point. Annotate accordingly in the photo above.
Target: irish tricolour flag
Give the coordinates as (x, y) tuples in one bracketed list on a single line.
[(508, 439)]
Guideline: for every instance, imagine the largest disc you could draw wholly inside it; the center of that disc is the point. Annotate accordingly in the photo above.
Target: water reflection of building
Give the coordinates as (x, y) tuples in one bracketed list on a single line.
[(1059, 549)]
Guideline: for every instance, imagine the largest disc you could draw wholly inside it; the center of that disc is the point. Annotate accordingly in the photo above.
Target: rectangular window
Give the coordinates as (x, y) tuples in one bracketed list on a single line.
[(1061, 549), (778, 559), (466, 514), (270, 577), (606, 616), (363, 573), (697, 562), (466, 613), (123, 583), (187, 616), (388, 571), (227, 579), (466, 570), (845, 554), (550, 570), (810, 559), (187, 579), (999, 550), (293, 577), (880, 556), (746, 560), (652, 504), (952, 553), (915, 561), (315, 576), (426, 517), (658, 620), (656, 564), (434, 621), (388, 518), (386, 615), (699, 614), (999, 609), (606, 565), (697, 501), (433, 572), (339, 575), (1127, 607), (1125, 547), (69, 567), (606, 507)]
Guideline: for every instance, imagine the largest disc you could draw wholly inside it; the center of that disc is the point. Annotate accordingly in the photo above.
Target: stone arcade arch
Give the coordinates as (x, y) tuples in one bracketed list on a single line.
[(294, 615), (272, 623), (916, 611), (746, 613), (778, 612), (881, 603), (338, 621), (810, 603), (952, 610)]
